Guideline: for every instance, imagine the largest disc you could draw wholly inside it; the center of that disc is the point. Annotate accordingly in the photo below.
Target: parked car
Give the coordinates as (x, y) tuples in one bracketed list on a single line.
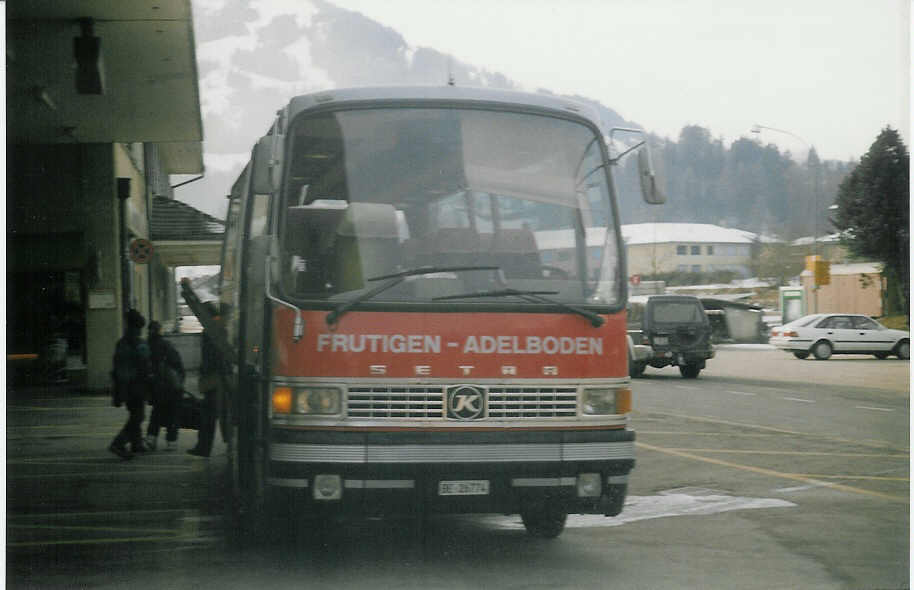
[(677, 330), (824, 334), (638, 355), (735, 321)]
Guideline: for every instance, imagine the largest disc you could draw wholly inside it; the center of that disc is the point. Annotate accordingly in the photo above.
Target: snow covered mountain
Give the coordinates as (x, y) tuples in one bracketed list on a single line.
[(253, 56)]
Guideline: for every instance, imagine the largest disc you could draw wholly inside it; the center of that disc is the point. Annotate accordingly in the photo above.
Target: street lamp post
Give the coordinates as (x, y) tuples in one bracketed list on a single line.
[(757, 129)]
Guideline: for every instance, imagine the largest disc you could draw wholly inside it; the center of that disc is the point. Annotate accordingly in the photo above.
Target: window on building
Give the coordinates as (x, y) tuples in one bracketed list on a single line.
[(683, 268), (696, 250), (696, 268), (710, 250), (681, 250)]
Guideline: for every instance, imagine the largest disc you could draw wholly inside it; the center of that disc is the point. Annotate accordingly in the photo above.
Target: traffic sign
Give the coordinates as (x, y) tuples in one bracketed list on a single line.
[(140, 250)]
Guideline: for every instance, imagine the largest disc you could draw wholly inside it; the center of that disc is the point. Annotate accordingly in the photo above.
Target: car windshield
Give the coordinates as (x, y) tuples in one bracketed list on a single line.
[(677, 312), (521, 199)]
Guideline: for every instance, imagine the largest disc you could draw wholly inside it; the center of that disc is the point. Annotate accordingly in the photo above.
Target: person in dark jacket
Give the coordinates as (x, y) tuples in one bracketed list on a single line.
[(167, 388), (131, 381), (212, 367)]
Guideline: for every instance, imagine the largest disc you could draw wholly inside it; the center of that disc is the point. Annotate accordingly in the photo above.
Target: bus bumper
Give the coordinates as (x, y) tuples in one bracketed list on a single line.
[(389, 473)]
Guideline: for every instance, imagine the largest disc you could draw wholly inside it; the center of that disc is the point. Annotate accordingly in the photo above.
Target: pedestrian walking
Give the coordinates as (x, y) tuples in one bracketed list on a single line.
[(167, 389), (212, 368), (131, 375)]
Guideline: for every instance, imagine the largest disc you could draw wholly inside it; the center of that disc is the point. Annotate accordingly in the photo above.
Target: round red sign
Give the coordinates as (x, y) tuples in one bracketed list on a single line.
[(140, 250)]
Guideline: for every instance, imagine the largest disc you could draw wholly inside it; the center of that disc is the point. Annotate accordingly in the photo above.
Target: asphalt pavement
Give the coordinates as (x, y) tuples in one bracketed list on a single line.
[(750, 477)]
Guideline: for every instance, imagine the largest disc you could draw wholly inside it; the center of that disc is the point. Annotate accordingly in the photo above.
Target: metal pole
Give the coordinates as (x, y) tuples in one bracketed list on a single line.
[(815, 237), (123, 193), (815, 208)]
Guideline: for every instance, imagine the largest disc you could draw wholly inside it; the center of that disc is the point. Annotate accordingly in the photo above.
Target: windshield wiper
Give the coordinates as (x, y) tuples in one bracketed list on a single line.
[(532, 296), (392, 280)]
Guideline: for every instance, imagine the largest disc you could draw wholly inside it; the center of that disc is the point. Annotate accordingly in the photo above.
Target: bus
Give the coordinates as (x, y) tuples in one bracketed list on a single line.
[(401, 337)]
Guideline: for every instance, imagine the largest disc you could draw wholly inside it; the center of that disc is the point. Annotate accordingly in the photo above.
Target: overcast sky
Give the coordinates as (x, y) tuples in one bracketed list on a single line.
[(833, 72)]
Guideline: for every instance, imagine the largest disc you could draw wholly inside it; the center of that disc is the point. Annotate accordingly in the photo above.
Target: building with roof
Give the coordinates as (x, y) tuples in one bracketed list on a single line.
[(828, 247), (103, 106), (853, 288), (656, 248), (180, 236)]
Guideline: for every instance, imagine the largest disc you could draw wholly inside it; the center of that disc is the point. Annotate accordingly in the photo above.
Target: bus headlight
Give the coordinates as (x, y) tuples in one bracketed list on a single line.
[(606, 400), (317, 400), (306, 400)]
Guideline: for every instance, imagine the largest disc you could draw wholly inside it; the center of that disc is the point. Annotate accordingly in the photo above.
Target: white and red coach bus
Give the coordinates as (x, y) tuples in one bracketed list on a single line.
[(405, 340)]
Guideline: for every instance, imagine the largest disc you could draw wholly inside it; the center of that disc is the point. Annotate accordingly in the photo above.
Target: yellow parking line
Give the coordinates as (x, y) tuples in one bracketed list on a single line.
[(120, 472), (100, 459), (146, 465), (773, 473), (804, 453), (51, 409), (155, 539), (686, 433), (59, 435), (97, 513), (90, 528), (867, 442), (869, 477), (45, 426)]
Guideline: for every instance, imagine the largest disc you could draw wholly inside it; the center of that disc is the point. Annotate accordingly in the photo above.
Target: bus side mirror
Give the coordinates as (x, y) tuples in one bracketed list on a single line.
[(650, 186), (266, 171)]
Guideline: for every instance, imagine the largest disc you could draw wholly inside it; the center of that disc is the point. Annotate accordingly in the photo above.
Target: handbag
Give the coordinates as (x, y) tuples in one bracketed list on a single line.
[(190, 411), (171, 379)]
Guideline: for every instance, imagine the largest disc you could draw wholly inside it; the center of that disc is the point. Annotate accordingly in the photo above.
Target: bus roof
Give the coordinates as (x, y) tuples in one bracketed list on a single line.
[(442, 94)]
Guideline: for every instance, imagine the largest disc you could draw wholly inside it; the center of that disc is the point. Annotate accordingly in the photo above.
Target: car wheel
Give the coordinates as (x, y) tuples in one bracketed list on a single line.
[(822, 350), (801, 354), (547, 522), (637, 370), (689, 371), (903, 350), (881, 355)]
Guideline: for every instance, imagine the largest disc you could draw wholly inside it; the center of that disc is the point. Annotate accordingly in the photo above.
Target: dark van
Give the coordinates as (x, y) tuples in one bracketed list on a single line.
[(678, 331)]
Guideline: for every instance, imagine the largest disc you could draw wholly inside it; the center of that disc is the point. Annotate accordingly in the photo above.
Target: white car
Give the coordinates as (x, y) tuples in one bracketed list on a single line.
[(824, 334)]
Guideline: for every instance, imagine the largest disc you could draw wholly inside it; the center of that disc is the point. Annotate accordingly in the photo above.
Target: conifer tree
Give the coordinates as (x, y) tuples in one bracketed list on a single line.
[(873, 215)]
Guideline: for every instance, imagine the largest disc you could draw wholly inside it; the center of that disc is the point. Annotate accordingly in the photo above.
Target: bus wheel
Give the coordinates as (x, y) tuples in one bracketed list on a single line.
[(546, 522)]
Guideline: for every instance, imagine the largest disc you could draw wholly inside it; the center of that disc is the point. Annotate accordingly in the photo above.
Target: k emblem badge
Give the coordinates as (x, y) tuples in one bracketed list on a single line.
[(465, 402)]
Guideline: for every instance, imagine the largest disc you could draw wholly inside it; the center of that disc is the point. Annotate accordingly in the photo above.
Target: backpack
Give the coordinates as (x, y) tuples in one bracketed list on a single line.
[(171, 380), (131, 369), (169, 371)]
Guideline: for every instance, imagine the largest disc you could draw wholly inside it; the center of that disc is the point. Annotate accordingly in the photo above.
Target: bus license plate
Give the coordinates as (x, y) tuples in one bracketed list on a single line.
[(661, 340), (473, 487)]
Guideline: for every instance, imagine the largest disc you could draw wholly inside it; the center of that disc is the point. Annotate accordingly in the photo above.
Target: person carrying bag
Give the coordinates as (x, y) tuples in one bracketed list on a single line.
[(131, 375), (167, 389)]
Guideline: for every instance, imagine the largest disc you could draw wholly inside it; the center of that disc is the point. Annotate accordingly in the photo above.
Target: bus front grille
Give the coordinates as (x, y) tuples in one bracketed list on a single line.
[(532, 402), (396, 402), (424, 402)]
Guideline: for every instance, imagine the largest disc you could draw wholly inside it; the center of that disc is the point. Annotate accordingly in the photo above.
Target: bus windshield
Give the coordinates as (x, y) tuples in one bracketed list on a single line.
[(512, 201)]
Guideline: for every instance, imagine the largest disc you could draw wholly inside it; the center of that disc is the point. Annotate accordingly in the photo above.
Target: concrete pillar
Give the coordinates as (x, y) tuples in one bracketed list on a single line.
[(104, 322)]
